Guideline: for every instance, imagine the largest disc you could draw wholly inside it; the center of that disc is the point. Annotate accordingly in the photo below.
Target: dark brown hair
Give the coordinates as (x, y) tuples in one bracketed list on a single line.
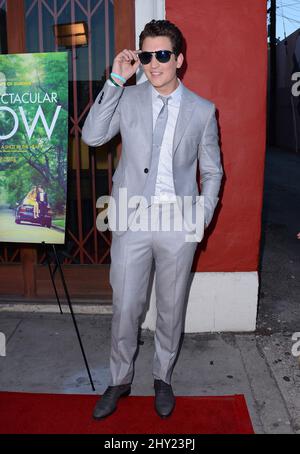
[(163, 28)]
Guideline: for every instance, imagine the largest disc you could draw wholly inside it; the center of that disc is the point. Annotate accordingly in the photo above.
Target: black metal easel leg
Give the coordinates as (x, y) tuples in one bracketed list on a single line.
[(71, 310), (52, 273)]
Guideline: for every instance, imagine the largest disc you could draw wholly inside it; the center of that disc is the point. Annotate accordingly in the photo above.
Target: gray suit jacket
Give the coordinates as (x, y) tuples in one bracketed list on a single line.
[(129, 111)]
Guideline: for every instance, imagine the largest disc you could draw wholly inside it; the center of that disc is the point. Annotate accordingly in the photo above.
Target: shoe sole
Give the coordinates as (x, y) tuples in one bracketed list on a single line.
[(165, 416), (98, 418)]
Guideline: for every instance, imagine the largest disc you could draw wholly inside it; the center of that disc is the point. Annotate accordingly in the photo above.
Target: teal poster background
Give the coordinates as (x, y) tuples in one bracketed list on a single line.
[(33, 147)]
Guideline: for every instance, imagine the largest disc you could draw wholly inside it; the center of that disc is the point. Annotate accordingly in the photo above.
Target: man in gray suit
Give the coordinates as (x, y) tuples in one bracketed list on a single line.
[(166, 131)]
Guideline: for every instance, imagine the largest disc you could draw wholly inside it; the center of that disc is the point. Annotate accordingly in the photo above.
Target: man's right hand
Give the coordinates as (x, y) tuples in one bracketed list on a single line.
[(122, 64)]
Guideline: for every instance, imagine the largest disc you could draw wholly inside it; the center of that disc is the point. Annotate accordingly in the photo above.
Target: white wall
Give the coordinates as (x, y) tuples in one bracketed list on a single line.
[(217, 302)]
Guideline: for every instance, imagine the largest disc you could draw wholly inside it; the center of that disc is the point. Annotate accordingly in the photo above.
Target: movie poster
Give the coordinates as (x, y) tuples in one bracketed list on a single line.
[(33, 147)]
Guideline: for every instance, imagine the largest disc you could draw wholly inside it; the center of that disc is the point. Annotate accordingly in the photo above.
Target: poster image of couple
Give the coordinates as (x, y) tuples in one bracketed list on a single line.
[(35, 208)]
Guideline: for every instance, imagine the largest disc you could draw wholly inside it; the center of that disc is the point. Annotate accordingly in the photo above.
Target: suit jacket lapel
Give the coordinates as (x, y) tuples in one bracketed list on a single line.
[(187, 105), (146, 111)]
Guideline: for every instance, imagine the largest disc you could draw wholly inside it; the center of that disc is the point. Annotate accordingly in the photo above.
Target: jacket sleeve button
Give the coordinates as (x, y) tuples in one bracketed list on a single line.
[(146, 170)]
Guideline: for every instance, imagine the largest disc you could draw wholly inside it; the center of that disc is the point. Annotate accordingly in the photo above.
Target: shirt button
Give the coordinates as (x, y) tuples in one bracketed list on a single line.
[(146, 170)]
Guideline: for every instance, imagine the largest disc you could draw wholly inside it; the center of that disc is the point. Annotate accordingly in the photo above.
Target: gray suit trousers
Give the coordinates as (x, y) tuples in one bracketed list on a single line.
[(132, 256)]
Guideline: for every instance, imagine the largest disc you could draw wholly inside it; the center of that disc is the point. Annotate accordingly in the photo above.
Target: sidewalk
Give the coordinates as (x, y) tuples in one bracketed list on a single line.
[(43, 353), (43, 356)]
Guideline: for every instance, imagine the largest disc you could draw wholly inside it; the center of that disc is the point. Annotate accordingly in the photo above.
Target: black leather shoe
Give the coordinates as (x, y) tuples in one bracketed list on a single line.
[(164, 398), (107, 404)]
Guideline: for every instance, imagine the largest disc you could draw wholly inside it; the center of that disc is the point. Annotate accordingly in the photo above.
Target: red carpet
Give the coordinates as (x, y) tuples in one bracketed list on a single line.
[(26, 413)]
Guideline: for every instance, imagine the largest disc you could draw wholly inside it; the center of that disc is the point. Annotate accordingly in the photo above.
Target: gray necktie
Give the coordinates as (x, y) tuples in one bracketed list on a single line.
[(161, 122), (158, 135)]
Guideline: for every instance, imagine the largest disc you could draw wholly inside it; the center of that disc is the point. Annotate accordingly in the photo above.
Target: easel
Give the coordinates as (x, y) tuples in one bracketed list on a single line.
[(52, 275)]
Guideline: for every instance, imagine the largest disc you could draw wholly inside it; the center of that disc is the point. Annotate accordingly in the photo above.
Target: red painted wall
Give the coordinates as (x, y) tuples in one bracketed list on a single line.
[(226, 56)]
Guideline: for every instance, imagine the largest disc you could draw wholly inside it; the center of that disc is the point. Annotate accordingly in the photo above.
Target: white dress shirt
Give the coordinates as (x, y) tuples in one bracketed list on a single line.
[(164, 189)]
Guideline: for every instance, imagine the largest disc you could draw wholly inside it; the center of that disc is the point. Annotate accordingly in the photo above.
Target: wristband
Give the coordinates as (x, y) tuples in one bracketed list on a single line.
[(118, 77), (115, 83)]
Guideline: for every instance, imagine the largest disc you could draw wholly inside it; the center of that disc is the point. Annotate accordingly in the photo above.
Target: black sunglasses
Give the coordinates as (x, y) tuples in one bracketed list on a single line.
[(163, 56)]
